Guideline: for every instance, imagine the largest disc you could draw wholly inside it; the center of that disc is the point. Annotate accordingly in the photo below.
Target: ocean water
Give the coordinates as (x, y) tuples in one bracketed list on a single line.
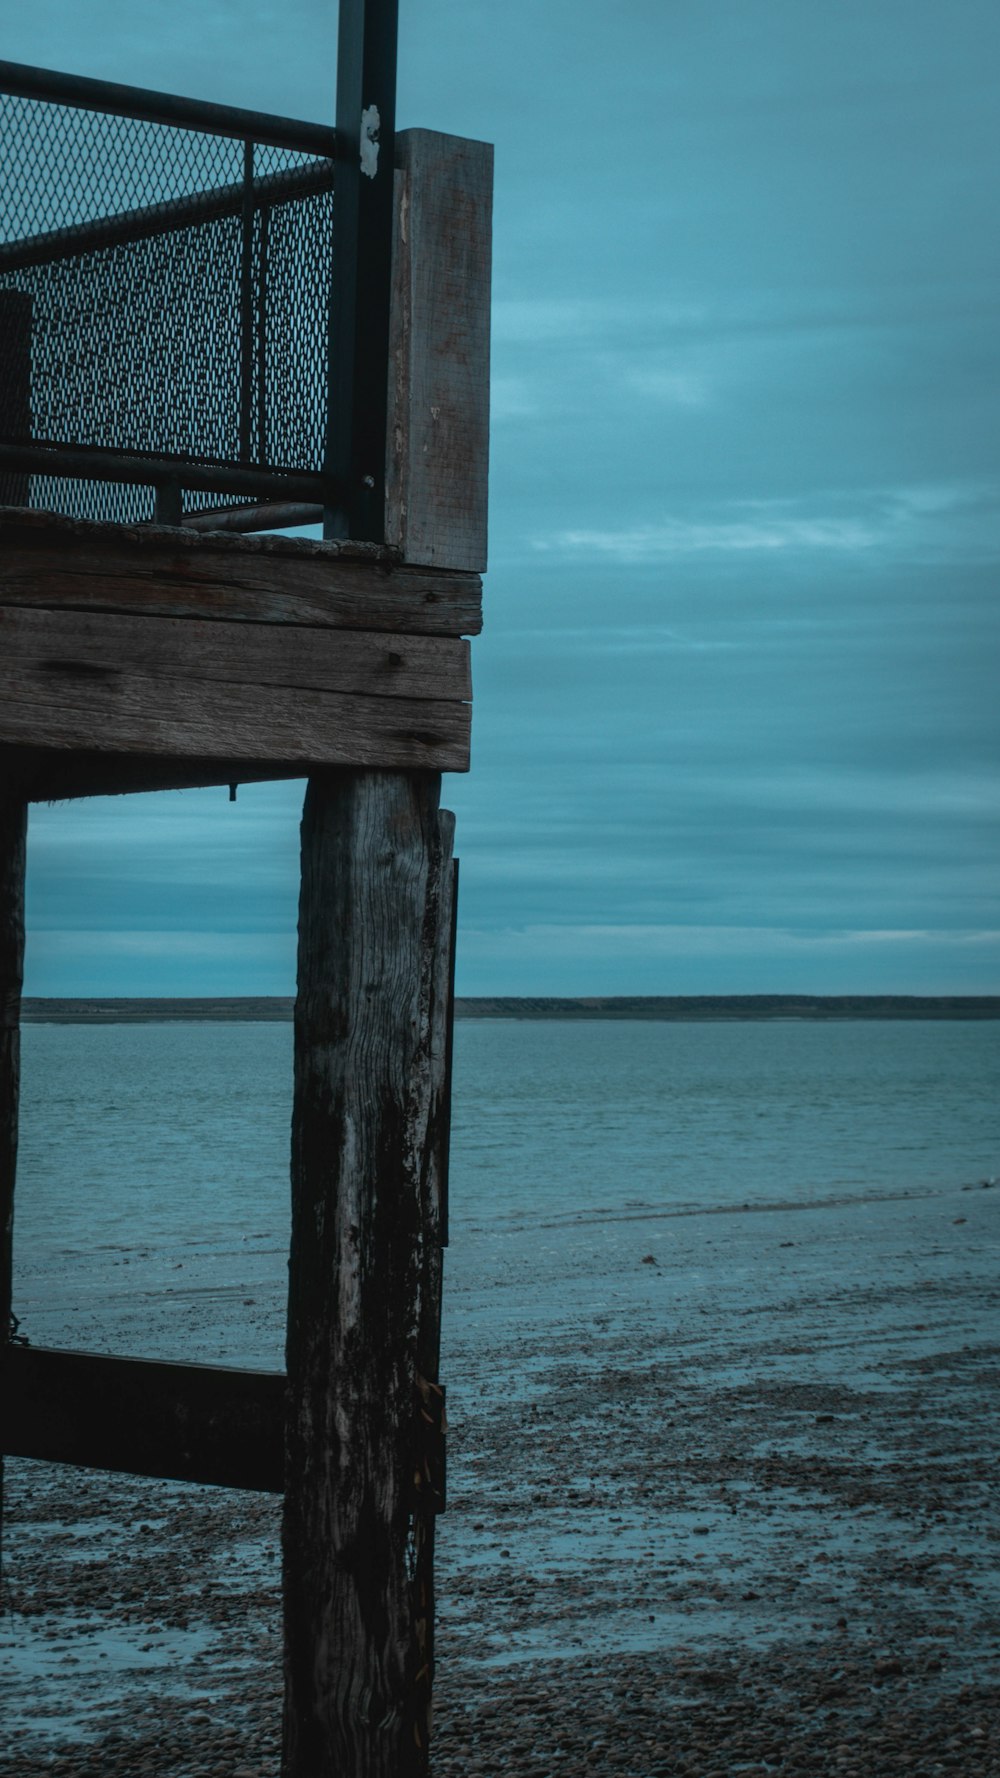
[(153, 1168)]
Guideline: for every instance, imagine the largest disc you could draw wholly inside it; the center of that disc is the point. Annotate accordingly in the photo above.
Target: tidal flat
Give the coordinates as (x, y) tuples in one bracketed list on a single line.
[(722, 1499)]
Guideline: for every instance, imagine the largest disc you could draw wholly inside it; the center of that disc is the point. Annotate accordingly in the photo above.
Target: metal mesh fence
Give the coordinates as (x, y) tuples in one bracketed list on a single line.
[(164, 292)]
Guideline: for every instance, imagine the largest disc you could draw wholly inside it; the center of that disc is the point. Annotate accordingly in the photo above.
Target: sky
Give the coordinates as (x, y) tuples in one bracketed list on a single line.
[(736, 711)]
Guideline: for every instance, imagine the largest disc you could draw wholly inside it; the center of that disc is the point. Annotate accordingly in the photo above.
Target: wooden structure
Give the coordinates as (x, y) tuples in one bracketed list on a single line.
[(148, 656)]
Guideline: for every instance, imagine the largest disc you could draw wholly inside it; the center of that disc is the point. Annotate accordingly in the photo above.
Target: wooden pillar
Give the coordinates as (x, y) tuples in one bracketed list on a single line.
[(437, 451), (15, 389), (369, 1133), (13, 834)]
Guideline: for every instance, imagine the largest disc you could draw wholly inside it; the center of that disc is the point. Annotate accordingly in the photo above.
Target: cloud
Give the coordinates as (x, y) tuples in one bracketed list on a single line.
[(513, 398), (546, 320), (169, 944), (669, 940), (557, 958), (670, 388), (672, 537), (958, 522)]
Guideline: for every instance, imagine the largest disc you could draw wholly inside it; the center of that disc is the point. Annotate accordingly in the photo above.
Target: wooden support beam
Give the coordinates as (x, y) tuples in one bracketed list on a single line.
[(437, 447), (177, 572), (13, 836), (365, 663), (46, 777), (170, 687), (367, 1131), (43, 776), (188, 1422), (15, 388)]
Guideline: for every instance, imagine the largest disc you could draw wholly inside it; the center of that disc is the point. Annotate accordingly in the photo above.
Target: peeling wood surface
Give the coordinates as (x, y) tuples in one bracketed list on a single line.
[(173, 572), (439, 351), (369, 1103), (188, 1422)]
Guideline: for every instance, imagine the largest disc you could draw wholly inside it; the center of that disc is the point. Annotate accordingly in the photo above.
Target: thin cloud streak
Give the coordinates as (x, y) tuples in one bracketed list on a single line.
[(962, 523)]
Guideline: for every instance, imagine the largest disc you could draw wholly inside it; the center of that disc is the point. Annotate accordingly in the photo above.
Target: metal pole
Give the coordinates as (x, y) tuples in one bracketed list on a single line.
[(94, 463), (362, 263)]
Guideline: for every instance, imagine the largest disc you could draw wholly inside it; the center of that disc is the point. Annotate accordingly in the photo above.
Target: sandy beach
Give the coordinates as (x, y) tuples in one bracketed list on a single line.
[(722, 1498)]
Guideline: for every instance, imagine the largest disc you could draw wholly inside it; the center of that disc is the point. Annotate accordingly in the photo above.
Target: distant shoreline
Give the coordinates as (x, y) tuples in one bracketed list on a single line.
[(680, 1008)]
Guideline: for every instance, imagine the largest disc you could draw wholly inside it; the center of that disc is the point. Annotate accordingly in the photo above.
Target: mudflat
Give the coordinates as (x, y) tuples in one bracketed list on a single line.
[(722, 1498)]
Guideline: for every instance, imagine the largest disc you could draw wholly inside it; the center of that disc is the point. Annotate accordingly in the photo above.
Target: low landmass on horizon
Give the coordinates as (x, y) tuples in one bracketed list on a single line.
[(679, 1007)]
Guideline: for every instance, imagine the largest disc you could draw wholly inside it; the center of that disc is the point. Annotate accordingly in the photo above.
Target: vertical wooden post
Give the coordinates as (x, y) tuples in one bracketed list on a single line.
[(15, 388), (13, 834), (368, 1129), (437, 445)]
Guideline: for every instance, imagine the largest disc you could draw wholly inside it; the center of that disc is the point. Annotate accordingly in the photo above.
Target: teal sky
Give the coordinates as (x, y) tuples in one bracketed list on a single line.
[(736, 702)]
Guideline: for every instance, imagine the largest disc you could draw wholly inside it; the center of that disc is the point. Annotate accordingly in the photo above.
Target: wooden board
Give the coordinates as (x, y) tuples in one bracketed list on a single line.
[(118, 684), (367, 664), (437, 449), (159, 570), (189, 1422)]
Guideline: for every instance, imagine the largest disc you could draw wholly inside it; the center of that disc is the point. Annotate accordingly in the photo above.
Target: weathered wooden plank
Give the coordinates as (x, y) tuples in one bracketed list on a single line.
[(189, 1422), (368, 1101), (13, 835), (365, 663), (46, 560), (121, 711), (439, 351)]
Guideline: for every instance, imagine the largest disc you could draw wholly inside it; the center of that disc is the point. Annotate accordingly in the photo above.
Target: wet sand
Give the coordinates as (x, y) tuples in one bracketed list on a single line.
[(722, 1498)]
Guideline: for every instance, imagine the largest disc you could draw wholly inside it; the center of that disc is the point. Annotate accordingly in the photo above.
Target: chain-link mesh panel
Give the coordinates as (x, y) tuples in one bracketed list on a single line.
[(163, 292)]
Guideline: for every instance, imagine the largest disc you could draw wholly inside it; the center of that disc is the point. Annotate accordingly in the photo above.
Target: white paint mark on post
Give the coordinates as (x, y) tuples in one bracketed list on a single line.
[(370, 123)]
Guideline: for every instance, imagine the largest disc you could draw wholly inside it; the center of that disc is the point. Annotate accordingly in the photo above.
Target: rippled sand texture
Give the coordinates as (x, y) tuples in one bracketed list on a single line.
[(722, 1499)]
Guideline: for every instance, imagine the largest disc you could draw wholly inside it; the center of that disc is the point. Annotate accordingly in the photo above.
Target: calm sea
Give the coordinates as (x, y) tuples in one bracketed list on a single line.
[(154, 1158)]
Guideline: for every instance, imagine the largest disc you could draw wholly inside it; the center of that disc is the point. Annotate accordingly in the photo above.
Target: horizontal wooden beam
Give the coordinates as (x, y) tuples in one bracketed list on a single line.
[(43, 776), (258, 693), (185, 1422), (365, 663), (179, 572)]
